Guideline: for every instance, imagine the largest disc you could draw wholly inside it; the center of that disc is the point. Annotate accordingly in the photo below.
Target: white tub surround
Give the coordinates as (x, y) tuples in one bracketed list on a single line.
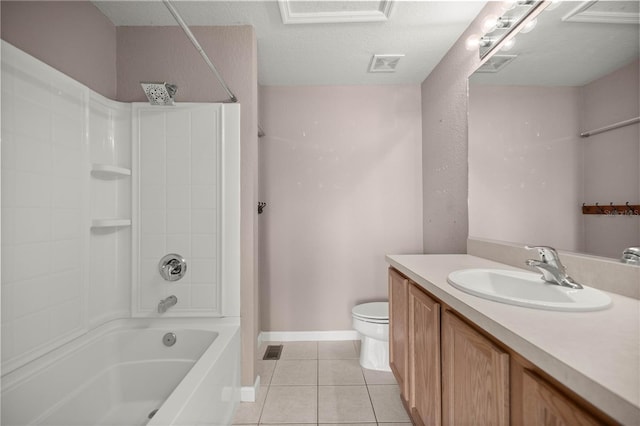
[(66, 208), (122, 371), (186, 183), (595, 354), (74, 239)]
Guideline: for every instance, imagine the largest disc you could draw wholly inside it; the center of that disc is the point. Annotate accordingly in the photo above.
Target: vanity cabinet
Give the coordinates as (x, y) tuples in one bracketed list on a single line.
[(475, 376), (398, 329), (451, 372), (424, 358), (543, 404)]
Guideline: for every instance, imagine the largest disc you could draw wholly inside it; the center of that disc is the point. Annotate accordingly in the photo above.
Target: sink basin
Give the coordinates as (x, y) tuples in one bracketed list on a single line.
[(526, 289)]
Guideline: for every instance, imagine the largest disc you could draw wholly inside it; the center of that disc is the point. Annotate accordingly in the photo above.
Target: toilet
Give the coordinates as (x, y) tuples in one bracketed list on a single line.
[(371, 320)]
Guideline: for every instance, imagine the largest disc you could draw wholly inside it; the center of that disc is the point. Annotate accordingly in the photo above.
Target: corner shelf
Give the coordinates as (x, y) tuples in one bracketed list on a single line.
[(110, 222), (106, 171)]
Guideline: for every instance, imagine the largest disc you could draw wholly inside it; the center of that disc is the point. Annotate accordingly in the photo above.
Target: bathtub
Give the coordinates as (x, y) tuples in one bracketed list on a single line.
[(123, 374)]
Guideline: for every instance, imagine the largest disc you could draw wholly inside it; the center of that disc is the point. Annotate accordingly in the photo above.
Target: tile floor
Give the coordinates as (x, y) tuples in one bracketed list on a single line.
[(322, 383)]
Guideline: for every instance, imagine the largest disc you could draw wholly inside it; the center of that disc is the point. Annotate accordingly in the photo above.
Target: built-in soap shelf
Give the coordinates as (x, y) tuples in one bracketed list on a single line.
[(110, 223), (107, 171)]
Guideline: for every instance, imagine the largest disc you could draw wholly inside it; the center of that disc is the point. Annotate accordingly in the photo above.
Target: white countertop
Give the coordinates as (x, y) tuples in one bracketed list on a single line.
[(595, 354)]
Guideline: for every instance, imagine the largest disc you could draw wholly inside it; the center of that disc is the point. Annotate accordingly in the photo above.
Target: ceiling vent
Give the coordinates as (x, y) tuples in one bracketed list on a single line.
[(496, 63), (384, 63), (334, 12), (606, 12)]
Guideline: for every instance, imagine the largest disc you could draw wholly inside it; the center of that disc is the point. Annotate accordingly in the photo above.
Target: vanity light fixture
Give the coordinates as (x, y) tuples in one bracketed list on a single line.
[(505, 22), (519, 16), (486, 42)]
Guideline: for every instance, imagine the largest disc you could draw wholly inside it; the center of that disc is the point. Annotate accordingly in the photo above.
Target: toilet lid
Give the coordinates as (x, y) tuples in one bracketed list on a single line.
[(372, 311)]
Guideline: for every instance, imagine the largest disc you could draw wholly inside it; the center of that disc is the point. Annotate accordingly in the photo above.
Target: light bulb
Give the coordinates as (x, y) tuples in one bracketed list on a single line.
[(529, 26), (509, 4), (508, 45), (489, 24), (472, 42)]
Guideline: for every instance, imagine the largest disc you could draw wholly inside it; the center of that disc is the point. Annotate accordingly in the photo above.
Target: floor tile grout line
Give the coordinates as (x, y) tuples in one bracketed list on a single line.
[(318, 389), (268, 389), (373, 408)]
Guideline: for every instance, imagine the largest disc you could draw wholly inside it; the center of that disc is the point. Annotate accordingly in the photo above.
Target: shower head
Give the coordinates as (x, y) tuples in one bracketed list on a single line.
[(159, 93)]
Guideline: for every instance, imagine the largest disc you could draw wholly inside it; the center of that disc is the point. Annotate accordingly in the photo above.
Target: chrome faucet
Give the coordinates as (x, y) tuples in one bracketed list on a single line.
[(553, 271), (166, 304)]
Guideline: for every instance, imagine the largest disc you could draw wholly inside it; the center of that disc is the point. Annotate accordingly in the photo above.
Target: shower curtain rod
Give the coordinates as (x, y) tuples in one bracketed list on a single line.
[(194, 41), (610, 127)]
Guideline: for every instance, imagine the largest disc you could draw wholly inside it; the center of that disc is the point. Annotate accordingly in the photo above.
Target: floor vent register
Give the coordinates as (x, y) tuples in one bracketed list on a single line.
[(273, 352)]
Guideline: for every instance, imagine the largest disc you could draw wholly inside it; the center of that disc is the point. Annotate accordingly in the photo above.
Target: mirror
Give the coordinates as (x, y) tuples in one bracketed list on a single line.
[(530, 172)]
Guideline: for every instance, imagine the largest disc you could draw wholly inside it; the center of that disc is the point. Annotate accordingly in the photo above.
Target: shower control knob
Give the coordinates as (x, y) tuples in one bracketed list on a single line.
[(172, 267)]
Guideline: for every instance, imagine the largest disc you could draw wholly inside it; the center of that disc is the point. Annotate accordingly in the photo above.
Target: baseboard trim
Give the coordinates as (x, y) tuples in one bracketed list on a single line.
[(298, 336), (248, 393)]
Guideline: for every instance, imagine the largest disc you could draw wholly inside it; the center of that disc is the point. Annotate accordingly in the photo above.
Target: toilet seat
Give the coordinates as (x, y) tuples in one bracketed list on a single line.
[(371, 321), (374, 312)]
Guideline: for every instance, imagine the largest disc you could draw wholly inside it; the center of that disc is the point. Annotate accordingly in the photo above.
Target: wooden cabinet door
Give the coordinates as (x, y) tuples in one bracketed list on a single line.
[(475, 376), (398, 330), (543, 405), (424, 358)]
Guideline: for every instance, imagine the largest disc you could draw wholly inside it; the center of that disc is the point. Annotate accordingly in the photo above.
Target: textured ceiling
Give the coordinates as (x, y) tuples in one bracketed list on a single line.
[(322, 54)]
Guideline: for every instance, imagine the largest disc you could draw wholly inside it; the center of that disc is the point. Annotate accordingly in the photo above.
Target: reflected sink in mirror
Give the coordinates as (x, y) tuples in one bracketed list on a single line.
[(526, 289)]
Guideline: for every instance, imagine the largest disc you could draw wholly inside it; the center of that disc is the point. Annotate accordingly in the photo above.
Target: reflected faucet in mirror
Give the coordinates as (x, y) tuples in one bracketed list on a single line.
[(631, 256)]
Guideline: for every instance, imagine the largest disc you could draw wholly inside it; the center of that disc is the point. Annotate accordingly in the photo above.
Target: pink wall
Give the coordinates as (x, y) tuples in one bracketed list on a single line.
[(444, 144), (611, 159), (72, 36), (340, 170), (525, 163)]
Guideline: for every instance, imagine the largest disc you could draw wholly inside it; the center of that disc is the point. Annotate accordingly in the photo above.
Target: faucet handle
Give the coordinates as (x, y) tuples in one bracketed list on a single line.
[(548, 255), (545, 252)]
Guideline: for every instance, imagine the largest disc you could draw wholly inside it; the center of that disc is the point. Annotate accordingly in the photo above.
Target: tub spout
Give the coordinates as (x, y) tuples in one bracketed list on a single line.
[(166, 304)]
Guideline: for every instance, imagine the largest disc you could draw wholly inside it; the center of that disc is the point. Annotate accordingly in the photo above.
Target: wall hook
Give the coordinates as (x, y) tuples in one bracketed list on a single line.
[(600, 209), (261, 206), (629, 207)]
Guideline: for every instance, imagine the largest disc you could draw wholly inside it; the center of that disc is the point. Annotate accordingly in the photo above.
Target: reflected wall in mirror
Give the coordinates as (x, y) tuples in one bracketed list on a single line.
[(529, 170)]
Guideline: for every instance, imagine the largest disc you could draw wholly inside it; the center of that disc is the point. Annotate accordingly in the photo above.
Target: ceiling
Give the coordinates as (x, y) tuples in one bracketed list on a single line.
[(337, 53)]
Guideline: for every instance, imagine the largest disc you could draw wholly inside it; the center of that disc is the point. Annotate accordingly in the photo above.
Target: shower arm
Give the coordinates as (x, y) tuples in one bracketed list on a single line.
[(194, 41)]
